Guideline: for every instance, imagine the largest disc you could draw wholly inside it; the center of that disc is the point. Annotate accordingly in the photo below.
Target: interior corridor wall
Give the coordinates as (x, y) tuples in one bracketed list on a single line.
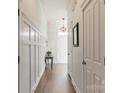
[(62, 48), (75, 57), (57, 43), (52, 39), (33, 26)]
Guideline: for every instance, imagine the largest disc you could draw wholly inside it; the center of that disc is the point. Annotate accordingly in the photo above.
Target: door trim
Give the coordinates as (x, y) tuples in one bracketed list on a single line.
[(85, 3)]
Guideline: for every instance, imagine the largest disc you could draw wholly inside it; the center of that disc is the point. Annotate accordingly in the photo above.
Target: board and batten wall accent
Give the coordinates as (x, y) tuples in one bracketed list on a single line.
[(32, 44)]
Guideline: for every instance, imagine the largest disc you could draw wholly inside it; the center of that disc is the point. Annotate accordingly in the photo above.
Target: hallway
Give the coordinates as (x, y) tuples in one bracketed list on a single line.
[(55, 80), (68, 31)]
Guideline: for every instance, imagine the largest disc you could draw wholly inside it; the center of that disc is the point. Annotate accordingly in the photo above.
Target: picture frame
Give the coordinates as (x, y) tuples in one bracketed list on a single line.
[(76, 35)]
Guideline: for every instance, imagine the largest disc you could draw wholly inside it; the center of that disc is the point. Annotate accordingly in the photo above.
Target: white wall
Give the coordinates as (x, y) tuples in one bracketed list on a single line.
[(62, 49), (52, 39), (33, 10), (32, 13), (57, 43), (74, 16)]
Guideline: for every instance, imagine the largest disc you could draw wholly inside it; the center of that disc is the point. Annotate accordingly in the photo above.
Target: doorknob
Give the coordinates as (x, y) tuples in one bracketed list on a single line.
[(68, 53), (84, 63)]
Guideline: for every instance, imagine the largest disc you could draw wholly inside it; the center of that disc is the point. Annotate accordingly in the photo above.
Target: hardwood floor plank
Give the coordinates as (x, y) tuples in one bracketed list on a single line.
[(55, 80)]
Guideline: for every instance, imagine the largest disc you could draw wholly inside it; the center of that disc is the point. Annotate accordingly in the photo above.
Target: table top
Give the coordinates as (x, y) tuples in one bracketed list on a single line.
[(48, 56)]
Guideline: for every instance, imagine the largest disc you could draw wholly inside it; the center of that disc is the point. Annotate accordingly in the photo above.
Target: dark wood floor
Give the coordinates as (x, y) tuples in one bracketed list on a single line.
[(55, 80)]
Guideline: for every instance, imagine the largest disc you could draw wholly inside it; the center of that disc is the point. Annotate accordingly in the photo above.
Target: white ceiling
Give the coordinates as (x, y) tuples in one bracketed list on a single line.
[(54, 9)]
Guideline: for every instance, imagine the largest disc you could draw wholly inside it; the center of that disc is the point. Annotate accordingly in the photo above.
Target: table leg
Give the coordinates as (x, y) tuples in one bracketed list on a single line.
[(51, 62), (45, 60)]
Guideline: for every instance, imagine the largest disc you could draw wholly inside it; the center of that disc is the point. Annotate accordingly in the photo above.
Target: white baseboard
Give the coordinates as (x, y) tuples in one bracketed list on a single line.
[(38, 80), (75, 86)]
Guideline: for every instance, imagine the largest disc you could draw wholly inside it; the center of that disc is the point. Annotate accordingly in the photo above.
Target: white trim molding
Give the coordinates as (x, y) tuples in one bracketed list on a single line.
[(37, 82), (75, 86)]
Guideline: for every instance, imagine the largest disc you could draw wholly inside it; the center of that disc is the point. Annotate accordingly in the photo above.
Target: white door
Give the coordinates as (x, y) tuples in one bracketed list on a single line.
[(24, 65), (93, 46)]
